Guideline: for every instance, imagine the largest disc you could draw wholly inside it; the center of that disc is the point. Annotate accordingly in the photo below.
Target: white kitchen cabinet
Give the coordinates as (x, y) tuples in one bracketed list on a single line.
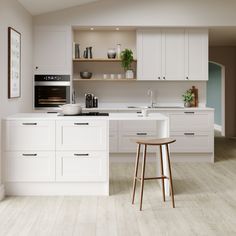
[(85, 166), (30, 135), (34, 166), (197, 57), (172, 54), (191, 121), (149, 48), (81, 135), (192, 142), (52, 50)]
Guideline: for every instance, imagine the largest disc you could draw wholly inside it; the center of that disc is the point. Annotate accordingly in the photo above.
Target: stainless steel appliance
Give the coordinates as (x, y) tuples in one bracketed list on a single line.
[(50, 91)]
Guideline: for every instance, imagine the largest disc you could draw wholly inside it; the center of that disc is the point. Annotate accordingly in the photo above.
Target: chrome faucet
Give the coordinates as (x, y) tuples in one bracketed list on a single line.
[(150, 93)]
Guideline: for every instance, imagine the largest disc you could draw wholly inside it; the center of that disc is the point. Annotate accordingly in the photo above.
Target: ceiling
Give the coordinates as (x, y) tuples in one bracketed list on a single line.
[(44, 6)]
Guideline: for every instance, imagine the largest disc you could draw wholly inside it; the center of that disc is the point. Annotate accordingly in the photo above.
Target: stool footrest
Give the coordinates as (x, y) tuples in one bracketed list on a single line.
[(152, 178)]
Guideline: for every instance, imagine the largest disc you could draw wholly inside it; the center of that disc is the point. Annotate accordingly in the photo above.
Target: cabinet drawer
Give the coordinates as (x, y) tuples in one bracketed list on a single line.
[(137, 126), (191, 121), (81, 135), (192, 142), (29, 166), (81, 166), (127, 143), (30, 135)]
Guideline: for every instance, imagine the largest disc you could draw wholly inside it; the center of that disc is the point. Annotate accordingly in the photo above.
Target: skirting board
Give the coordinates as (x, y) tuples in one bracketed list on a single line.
[(57, 189), (2, 192)]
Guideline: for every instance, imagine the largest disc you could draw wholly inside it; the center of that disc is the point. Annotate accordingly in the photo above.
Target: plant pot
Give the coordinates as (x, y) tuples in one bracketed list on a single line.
[(187, 104), (129, 74)]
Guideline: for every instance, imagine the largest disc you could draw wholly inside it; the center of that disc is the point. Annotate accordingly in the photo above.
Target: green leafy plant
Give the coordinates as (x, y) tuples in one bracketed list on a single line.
[(126, 59), (188, 96)]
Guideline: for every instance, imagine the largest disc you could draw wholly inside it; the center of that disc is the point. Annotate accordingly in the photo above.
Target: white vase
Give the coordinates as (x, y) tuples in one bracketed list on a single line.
[(129, 74)]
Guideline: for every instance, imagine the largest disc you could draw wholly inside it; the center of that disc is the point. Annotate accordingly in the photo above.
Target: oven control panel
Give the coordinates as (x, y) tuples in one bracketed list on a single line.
[(51, 78)]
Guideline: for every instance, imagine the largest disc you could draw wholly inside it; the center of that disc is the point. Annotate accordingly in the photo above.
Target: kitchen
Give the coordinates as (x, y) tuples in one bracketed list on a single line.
[(179, 67)]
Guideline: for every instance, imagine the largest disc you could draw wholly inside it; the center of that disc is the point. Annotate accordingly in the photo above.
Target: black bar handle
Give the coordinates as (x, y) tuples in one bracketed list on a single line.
[(141, 133), (81, 154), (81, 123), (29, 123), (29, 154), (189, 112), (189, 134)]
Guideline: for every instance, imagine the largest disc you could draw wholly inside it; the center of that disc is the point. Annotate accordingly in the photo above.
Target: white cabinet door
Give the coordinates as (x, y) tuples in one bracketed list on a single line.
[(30, 135), (53, 50), (29, 166), (173, 54), (197, 142), (81, 135), (197, 59), (191, 121), (149, 54), (83, 166)]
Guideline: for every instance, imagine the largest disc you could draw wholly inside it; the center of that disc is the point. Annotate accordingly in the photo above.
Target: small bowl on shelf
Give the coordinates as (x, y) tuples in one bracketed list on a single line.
[(86, 75)]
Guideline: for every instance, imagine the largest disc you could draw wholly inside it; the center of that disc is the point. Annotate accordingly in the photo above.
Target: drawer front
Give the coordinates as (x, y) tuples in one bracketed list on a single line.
[(192, 142), (137, 126), (29, 166), (30, 135), (191, 121), (127, 143), (81, 166), (81, 135)]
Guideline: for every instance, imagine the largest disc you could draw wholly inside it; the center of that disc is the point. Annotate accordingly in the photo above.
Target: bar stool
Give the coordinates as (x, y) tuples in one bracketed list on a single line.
[(153, 142)]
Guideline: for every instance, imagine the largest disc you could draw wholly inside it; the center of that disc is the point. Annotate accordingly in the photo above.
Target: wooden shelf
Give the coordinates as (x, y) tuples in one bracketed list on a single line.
[(78, 79), (98, 60)]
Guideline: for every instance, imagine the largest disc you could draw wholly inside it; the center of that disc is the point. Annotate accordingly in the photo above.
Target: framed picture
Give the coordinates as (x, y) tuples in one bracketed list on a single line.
[(14, 63)]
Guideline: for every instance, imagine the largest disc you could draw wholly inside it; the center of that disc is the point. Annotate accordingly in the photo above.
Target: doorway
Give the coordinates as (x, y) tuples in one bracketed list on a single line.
[(216, 96)]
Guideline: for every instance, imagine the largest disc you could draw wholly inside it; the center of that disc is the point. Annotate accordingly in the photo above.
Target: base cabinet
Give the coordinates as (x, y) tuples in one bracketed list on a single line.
[(81, 166), (30, 166)]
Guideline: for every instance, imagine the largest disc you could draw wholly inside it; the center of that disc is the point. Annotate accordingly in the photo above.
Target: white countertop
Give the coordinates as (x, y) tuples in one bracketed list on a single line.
[(112, 116)]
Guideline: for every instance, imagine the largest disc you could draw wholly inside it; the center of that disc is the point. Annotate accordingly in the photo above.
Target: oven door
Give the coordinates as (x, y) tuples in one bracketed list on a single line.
[(51, 96)]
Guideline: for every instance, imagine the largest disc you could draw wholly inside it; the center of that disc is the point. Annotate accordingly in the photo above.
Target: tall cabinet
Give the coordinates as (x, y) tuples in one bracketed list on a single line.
[(172, 54)]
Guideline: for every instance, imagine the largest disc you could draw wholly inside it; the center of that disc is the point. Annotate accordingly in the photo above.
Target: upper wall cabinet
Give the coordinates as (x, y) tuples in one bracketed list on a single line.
[(172, 54), (52, 50)]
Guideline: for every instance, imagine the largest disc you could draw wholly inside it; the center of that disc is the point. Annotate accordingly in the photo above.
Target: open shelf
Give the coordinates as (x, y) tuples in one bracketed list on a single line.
[(78, 79), (98, 60)]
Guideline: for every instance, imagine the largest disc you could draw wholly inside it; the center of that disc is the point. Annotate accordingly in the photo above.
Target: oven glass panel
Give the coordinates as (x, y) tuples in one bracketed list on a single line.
[(51, 96)]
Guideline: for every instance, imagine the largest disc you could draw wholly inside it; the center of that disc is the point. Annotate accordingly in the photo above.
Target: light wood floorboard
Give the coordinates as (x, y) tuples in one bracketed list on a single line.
[(205, 196)]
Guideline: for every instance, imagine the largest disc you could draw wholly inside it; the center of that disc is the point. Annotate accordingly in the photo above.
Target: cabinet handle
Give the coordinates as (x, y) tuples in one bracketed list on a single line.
[(189, 112), (189, 134), (29, 123), (164, 77), (81, 123), (141, 133), (29, 155), (159, 77), (81, 154), (187, 78), (138, 112)]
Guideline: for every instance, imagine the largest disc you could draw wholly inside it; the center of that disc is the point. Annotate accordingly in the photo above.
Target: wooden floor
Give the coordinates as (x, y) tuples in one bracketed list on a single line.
[(205, 205)]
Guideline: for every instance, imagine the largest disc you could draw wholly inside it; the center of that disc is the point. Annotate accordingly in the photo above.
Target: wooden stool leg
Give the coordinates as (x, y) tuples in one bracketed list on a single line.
[(170, 177), (162, 174), (136, 172), (142, 176)]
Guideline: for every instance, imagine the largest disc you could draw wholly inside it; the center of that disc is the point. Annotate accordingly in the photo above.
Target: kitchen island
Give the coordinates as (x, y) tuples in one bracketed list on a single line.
[(47, 154)]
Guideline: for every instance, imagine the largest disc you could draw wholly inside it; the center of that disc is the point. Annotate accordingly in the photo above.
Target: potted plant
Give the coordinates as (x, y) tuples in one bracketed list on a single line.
[(188, 97), (126, 61)]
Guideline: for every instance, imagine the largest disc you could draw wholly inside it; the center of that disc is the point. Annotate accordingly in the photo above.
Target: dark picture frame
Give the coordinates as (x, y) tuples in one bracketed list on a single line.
[(14, 63)]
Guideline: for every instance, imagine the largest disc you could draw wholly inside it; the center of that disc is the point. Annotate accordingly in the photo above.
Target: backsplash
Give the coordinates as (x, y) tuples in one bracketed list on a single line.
[(130, 92)]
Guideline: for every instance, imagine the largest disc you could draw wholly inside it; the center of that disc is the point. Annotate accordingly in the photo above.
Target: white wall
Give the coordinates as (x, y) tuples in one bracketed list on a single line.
[(14, 15), (146, 13)]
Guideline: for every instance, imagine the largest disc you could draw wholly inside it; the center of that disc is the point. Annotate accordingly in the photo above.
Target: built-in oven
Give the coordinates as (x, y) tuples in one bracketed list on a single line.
[(50, 91)]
